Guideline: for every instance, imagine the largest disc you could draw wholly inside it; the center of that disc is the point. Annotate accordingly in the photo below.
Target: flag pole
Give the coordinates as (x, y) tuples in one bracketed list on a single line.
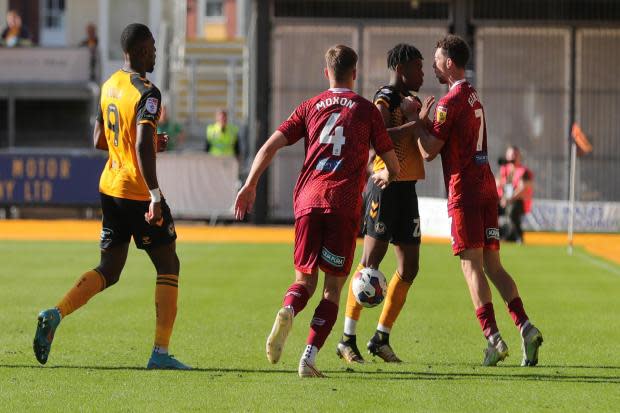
[(571, 197)]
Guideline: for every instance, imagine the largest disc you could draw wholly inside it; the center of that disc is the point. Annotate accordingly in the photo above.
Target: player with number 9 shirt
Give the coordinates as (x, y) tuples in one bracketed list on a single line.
[(131, 202), (339, 127)]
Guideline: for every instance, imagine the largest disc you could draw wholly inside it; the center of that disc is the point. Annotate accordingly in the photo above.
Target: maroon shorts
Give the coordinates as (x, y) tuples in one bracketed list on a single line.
[(326, 241), (474, 227)]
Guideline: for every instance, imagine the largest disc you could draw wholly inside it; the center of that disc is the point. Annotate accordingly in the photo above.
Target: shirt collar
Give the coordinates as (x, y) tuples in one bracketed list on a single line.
[(339, 89), (458, 82)]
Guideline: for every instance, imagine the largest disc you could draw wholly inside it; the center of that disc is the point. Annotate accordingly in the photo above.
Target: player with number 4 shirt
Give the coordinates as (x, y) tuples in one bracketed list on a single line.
[(339, 127), (458, 133)]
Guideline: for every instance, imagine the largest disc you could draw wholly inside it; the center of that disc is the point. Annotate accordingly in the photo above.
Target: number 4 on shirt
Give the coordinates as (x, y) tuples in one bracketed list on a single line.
[(337, 139)]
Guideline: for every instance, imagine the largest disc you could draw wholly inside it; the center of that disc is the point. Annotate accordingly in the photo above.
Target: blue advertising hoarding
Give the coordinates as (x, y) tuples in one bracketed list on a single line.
[(38, 179)]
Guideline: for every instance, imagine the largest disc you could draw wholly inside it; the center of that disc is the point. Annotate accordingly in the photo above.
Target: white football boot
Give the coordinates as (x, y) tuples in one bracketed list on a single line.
[(307, 368), (279, 332), (493, 354), (532, 340)]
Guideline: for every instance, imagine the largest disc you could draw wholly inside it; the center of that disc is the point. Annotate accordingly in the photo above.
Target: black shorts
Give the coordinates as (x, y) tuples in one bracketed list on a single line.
[(392, 214), (124, 218)]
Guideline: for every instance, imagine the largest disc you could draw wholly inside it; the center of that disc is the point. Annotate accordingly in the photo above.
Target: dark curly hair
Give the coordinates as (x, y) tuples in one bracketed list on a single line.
[(456, 49), (402, 53)]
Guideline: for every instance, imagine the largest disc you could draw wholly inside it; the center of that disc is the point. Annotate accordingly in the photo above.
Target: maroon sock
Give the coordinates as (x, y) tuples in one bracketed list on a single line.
[(486, 317), (297, 297), (321, 325), (515, 308)]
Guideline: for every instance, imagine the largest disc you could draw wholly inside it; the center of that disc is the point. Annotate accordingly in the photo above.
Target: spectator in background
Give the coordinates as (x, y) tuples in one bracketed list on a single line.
[(15, 34), (92, 42), (174, 130), (515, 189), (222, 137)]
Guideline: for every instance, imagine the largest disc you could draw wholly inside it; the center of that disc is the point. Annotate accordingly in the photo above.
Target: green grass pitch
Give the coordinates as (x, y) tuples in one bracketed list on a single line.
[(229, 295)]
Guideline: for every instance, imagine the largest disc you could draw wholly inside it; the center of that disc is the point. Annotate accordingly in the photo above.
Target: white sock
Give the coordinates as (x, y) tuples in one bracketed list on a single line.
[(59, 313), (524, 327), (160, 350), (292, 309), (383, 329), (350, 326), (494, 339), (310, 353)]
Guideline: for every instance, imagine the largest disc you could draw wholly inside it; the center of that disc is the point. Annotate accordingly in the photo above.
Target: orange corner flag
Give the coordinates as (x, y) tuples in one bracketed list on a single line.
[(581, 139)]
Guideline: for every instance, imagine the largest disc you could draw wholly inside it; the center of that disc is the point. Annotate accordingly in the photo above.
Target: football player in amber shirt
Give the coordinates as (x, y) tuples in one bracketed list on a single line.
[(391, 214), (131, 202), (459, 134)]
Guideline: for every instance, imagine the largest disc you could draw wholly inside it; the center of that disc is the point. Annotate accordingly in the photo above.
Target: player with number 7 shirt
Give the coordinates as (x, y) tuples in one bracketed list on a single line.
[(339, 127), (459, 134)]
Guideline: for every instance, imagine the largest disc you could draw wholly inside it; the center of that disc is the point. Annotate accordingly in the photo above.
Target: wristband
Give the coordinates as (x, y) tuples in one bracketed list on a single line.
[(155, 195)]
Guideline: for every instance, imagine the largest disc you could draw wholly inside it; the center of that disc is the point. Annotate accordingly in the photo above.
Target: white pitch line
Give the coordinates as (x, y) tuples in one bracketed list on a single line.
[(599, 263)]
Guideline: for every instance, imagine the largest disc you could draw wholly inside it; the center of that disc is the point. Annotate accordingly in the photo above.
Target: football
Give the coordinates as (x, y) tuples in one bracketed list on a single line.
[(369, 287)]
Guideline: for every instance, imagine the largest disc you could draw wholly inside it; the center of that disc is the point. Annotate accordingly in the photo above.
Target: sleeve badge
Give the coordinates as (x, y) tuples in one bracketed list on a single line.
[(441, 114), (151, 105)]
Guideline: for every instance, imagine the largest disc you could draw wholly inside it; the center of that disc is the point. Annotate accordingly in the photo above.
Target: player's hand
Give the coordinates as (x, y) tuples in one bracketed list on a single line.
[(503, 202), (245, 201), (425, 109), (162, 142), (381, 178), (153, 216), (410, 107)]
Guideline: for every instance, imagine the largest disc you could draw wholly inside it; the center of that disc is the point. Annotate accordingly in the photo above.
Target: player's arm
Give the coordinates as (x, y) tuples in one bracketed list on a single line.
[(99, 140), (145, 152), (429, 145), (395, 133), (382, 145), (148, 111), (425, 110), (417, 113), (383, 177), (264, 156), (432, 139)]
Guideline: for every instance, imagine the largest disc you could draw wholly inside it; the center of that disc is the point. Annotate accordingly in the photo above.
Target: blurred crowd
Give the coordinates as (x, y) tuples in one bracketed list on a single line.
[(15, 34)]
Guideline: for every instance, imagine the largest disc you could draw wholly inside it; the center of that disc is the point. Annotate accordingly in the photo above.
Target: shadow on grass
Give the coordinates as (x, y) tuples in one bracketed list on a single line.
[(541, 366), (492, 374), (134, 368)]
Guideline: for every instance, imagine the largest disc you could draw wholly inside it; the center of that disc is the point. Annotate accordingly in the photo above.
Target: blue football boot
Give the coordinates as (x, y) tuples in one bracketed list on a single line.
[(162, 361), (48, 322)]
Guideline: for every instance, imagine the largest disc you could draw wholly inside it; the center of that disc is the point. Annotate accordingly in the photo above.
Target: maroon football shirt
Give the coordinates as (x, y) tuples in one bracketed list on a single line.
[(338, 127), (459, 122)]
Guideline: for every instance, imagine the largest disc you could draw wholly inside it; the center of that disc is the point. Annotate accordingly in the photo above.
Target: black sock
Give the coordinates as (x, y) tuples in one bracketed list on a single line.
[(381, 337), (346, 338)]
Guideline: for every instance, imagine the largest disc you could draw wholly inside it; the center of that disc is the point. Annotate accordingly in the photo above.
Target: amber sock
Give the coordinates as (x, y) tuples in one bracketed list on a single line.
[(166, 292), (394, 302), (353, 309), (89, 284)]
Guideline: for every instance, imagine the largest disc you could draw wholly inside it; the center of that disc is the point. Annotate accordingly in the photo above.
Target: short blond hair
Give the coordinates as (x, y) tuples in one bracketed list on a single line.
[(341, 61)]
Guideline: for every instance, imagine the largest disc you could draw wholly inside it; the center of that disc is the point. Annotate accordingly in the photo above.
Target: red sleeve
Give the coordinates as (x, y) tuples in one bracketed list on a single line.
[(379, 137), (445, 115), (294, 128)]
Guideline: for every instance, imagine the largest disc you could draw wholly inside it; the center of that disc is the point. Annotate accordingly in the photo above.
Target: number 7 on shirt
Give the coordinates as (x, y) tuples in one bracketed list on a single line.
[(480, 114)]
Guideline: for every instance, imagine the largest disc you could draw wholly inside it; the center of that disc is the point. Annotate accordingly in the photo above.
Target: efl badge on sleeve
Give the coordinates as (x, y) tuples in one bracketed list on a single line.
[(441, 114), (151, 105)]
